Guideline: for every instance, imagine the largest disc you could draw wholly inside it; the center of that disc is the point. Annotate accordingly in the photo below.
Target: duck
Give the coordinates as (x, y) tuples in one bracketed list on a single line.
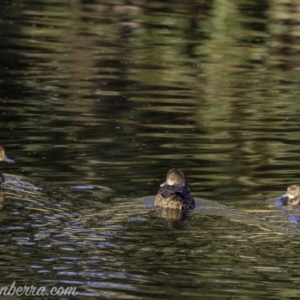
[(3, 157), (173, 193), (291, 197)]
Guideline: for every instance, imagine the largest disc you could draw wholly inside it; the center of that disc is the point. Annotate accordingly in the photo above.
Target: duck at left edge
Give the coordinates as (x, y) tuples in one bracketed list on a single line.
[(3, 157)]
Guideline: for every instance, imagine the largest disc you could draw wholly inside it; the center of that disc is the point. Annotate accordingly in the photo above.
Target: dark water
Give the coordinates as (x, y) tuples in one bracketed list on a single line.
[(100, 98)]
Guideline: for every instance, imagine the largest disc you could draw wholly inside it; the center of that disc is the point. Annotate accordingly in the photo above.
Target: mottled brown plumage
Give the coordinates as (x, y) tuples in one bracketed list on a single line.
[(173, 193), (293, 195)]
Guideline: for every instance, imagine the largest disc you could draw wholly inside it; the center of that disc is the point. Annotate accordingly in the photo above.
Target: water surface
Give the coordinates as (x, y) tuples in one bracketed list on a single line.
[(100, 98)]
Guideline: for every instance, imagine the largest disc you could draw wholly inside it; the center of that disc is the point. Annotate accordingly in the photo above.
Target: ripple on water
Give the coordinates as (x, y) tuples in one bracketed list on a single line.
[(119, 246)]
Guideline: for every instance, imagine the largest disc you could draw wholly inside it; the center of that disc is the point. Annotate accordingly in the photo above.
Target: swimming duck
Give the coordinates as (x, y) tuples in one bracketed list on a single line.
[(3, 157), (291, 197), (173, 193)]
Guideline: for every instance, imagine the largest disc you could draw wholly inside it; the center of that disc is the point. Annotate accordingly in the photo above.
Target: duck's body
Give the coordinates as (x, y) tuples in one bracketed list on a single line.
[(173, 193), (291, 197), (3, 157)]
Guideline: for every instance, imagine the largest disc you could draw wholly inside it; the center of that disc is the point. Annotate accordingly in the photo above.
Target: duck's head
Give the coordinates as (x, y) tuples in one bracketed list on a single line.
[(293, 193), (174, 177), (3, 157), (290, 198)]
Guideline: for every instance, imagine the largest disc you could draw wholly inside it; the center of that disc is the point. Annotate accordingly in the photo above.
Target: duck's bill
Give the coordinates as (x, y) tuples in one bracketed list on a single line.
[(163, 184), (282, 201), (8, 160)]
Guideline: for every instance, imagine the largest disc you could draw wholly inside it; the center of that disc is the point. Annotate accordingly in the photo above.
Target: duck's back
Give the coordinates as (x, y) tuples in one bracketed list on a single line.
[(174, 196)]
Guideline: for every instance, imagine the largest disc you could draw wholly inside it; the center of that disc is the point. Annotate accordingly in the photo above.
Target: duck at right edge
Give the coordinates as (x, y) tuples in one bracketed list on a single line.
[(291, 197), (291, 200)]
